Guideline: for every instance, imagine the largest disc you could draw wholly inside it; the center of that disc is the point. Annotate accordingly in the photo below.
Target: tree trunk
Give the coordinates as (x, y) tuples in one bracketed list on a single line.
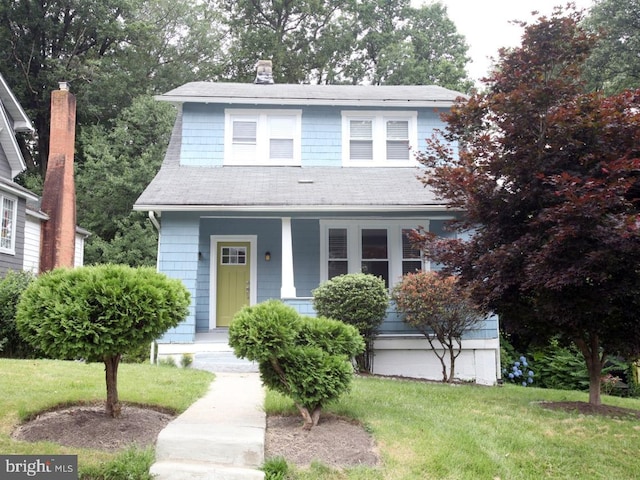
[(445, 377), (311, 419), (595, 362), (112, 406)]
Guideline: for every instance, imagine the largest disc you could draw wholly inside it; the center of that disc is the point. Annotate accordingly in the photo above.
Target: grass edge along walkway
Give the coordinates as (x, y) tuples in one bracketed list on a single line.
[(433, 431), (32, 386)]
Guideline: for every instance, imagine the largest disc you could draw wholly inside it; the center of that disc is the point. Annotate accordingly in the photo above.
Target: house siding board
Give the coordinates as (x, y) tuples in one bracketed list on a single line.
[(178, 258), (321, 137), (267, 230), (306, 255), (202, 135)]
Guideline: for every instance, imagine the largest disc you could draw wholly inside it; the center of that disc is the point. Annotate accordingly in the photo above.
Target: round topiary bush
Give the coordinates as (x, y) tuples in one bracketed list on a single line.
[(357, 299), (307, 359), (97, 313)]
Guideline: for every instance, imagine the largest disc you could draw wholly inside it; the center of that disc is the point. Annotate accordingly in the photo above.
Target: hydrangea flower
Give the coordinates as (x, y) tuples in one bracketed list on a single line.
[(518, 373)]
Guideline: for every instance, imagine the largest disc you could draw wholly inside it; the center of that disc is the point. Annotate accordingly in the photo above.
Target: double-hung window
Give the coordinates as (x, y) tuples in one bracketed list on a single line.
[(381, 248), (262, 137), (8, 217), (378, 138)]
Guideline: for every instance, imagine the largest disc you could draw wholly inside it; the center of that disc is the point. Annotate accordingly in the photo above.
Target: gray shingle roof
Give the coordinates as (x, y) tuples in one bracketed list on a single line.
[(285, 188), (293, 94), (180, 188)]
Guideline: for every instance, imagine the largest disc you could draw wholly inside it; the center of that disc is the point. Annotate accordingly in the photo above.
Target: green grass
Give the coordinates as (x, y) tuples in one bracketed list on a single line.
[(434, 431), (31, 386)]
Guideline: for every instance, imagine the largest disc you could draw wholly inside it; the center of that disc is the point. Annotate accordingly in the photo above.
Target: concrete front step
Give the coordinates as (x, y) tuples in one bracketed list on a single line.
[(202, 471), (224, 445)]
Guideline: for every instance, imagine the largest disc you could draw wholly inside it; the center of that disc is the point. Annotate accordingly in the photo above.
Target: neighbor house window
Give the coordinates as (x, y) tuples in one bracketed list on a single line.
[(380, 248), (262, 137), (8, 217), (378, 138)]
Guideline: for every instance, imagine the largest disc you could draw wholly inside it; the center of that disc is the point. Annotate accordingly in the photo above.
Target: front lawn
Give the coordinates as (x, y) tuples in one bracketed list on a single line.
[(30, 386), (434, 431)]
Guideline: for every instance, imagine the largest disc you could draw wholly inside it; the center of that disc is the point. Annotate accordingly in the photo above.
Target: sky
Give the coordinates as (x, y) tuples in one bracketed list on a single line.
[(485, 25)]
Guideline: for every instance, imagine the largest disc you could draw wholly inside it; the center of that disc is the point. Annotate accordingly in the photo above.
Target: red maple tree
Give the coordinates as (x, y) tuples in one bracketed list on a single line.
[(547, 176)]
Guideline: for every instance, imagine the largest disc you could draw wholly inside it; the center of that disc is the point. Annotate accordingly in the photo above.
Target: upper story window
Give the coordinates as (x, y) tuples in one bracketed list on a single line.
[(378, 138), (8, 217), (262, 137)]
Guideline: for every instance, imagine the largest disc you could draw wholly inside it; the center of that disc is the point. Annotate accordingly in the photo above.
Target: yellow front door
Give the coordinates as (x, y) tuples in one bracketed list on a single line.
[(234, 280)]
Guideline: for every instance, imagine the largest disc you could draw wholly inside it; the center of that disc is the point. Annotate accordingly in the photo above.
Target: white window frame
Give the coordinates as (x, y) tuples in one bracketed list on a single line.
[(11, 249), (379, 121), (261, 117), (354, 229)]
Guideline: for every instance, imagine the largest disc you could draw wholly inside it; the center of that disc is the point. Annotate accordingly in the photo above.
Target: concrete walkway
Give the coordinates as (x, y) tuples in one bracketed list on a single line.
[(220, 436)]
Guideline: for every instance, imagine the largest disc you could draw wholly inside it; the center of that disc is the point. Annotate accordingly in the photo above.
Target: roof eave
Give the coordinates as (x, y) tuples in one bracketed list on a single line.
[(292, 208), (179, 99)]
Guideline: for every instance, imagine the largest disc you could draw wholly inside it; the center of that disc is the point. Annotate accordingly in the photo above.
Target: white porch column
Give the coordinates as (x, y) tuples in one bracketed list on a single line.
[(288, 288)]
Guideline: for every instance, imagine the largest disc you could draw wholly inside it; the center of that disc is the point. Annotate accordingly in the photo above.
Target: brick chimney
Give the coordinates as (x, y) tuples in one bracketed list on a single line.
[(59, 193)]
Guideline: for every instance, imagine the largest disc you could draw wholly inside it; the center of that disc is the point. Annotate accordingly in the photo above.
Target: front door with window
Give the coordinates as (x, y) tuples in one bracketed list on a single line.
[(233, 290)]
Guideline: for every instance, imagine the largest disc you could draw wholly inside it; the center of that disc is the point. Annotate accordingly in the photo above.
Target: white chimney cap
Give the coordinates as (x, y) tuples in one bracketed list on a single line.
[(63, 86)]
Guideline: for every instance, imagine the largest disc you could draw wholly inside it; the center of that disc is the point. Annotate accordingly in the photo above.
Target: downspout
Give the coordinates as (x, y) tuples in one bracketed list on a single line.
[(154, 220), (156, 224)]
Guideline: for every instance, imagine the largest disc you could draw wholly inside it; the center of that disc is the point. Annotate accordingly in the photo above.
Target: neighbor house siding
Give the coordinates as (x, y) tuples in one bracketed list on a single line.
[(32, 231), (178, 258), (5, 168), (15, 261)]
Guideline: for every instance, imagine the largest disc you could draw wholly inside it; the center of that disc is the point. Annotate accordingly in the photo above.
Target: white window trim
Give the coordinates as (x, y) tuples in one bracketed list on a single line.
[(379, 117), (262, 141), (12, 249), (354, 228)]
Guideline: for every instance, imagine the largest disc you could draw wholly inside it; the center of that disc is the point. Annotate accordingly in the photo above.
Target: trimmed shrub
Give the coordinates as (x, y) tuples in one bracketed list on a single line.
[(12, 345), (432, 304), (356, 299), (307, 359), (97, 313)]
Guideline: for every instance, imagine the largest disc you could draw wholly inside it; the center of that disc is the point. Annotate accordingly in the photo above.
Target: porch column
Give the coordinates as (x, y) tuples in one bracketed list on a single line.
[(288, 288)]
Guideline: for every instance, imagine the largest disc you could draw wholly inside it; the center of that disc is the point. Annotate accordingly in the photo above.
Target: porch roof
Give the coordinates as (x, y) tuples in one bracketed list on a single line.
[(237, 188)]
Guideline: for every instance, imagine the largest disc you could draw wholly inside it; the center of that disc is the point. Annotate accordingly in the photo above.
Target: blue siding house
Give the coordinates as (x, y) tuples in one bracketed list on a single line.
[(268, 190)]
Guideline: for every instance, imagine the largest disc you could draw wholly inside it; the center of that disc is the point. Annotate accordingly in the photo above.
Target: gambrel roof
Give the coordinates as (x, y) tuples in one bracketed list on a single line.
[(274, 188)]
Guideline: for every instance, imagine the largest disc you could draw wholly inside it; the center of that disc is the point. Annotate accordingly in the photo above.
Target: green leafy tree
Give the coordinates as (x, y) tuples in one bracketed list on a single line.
[(110, 51), (301, 38), (402, 45), (614, 64), (432, 304), (547, 176), (357, 299), (98, 313), (304, 358), (118, 164), (330, 41)]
